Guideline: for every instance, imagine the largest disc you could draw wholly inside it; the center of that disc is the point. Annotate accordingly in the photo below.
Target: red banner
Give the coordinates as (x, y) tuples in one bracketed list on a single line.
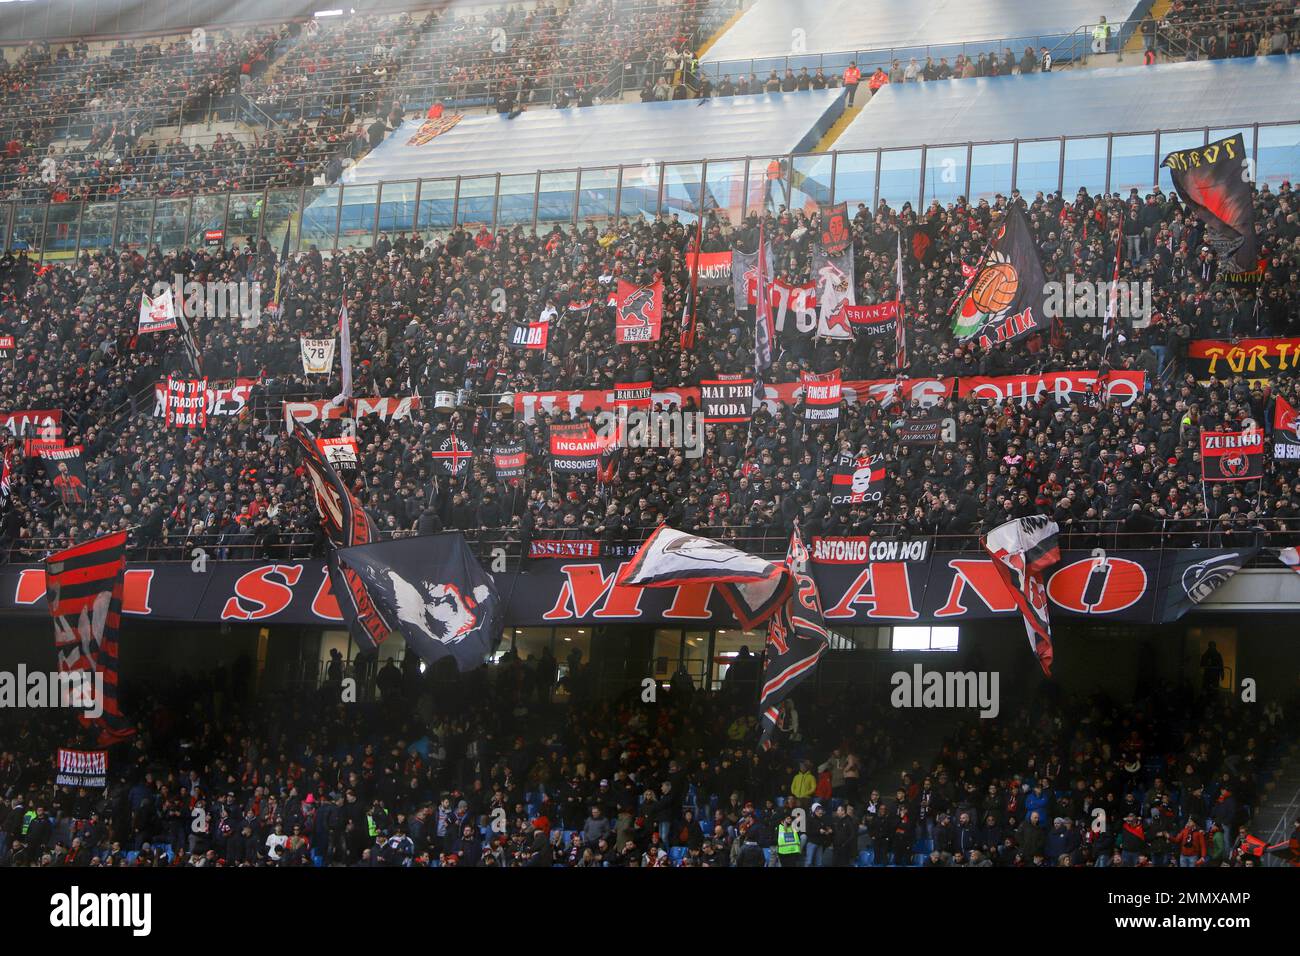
[(46, 425), (186, 403), (1064, 387), (821, 395), (1232, 456), (388, 409), (632, 394), (640, 313)]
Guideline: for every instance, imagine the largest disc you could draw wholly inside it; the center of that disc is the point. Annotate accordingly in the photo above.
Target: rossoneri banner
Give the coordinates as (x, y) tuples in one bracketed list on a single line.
[(862, 581)]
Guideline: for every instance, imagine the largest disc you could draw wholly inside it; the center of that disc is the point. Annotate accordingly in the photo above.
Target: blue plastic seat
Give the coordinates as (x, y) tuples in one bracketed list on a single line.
[(866, 858), (767, 854), (918, 859), (677, 853)]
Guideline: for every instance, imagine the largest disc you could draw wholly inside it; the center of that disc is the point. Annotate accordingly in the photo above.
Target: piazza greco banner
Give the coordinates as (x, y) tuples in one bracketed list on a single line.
[(862, 581)]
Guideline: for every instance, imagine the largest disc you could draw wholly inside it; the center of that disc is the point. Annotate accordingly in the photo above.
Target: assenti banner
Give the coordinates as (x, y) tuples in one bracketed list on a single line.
[(896, 582), (1257, 360)]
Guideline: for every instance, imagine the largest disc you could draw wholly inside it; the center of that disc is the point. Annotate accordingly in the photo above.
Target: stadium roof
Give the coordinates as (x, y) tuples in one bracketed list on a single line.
[(1213, 93), (549, 139), (768, 28)]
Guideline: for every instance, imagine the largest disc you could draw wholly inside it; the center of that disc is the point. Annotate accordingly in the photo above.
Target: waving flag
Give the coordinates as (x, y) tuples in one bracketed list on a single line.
[(1286, 432), (834, 276), (1005, 298), (83, 590), (1022, 549), (436, 593), (753, 587), (796, 639), (900, 327), (1214, 181), (345, 351), (764, 332), (346, 524)]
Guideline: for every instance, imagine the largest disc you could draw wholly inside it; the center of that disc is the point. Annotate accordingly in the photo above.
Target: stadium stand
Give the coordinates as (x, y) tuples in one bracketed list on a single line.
[(282, 162), (1175, 96)]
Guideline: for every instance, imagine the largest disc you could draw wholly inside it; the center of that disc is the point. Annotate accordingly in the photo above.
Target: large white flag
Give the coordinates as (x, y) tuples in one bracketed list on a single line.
[(754, 587), (157, 315), (345, 336)]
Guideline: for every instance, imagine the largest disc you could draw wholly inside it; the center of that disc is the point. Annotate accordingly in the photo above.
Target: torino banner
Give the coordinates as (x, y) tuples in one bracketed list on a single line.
[(1258, 360), (862, 581)]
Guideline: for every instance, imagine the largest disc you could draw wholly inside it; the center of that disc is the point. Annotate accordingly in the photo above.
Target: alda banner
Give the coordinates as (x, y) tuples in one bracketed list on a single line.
[(881, 582)]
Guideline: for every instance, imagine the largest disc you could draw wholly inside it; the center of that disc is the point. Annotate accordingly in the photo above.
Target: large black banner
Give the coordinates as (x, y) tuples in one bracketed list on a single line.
[(1215, 181), (1004, 299), (916, 586)]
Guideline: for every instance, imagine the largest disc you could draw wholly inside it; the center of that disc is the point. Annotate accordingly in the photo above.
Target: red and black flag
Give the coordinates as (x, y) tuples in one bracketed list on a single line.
[(1215, 181), (1232, 456), (453, 455), (633, 394), (1022, 549), (821, 396), (66, 471), (836, 236), (346, 524), (753, 587), (923, 242), (728, 399), (186, 403), (796, 639), (640, 312), (575, 449), (1286, 432), (509, 461), (857, 479), (83, 590), (1006, 297)]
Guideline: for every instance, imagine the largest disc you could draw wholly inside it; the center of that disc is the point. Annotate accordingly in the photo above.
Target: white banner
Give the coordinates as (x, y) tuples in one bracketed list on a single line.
[(317, 356)]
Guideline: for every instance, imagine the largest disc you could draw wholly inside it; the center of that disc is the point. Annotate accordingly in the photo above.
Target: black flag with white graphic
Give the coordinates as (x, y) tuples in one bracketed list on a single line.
[(435, 592), (1191, 575), (796, 639)]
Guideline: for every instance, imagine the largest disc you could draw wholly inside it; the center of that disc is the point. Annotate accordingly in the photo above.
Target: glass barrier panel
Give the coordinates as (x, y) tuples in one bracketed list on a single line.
[(515, 200), (855, 180), (133, 224), (169, 221), (283, 215), (640, 191), (209, 216), (1038, 168), (397, 208), (598, 193), (357, 221), (555, 197), (245, 217), (437, 206), (724, 189), (319, 217), (29, 229), (945, 174), (1132, 164), (1085, 166), (900, 177), (477, 202), (810, 181), (97, 226), (61, 230), (682, 190), (990, 171), (1279, 155)]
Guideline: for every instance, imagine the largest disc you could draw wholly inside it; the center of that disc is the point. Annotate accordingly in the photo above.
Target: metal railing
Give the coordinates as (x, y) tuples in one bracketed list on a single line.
[(511, 543)]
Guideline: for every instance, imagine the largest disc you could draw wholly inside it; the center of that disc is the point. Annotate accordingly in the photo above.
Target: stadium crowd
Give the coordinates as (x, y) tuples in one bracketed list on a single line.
[(491, 771), (78, 124), (422, 322)]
